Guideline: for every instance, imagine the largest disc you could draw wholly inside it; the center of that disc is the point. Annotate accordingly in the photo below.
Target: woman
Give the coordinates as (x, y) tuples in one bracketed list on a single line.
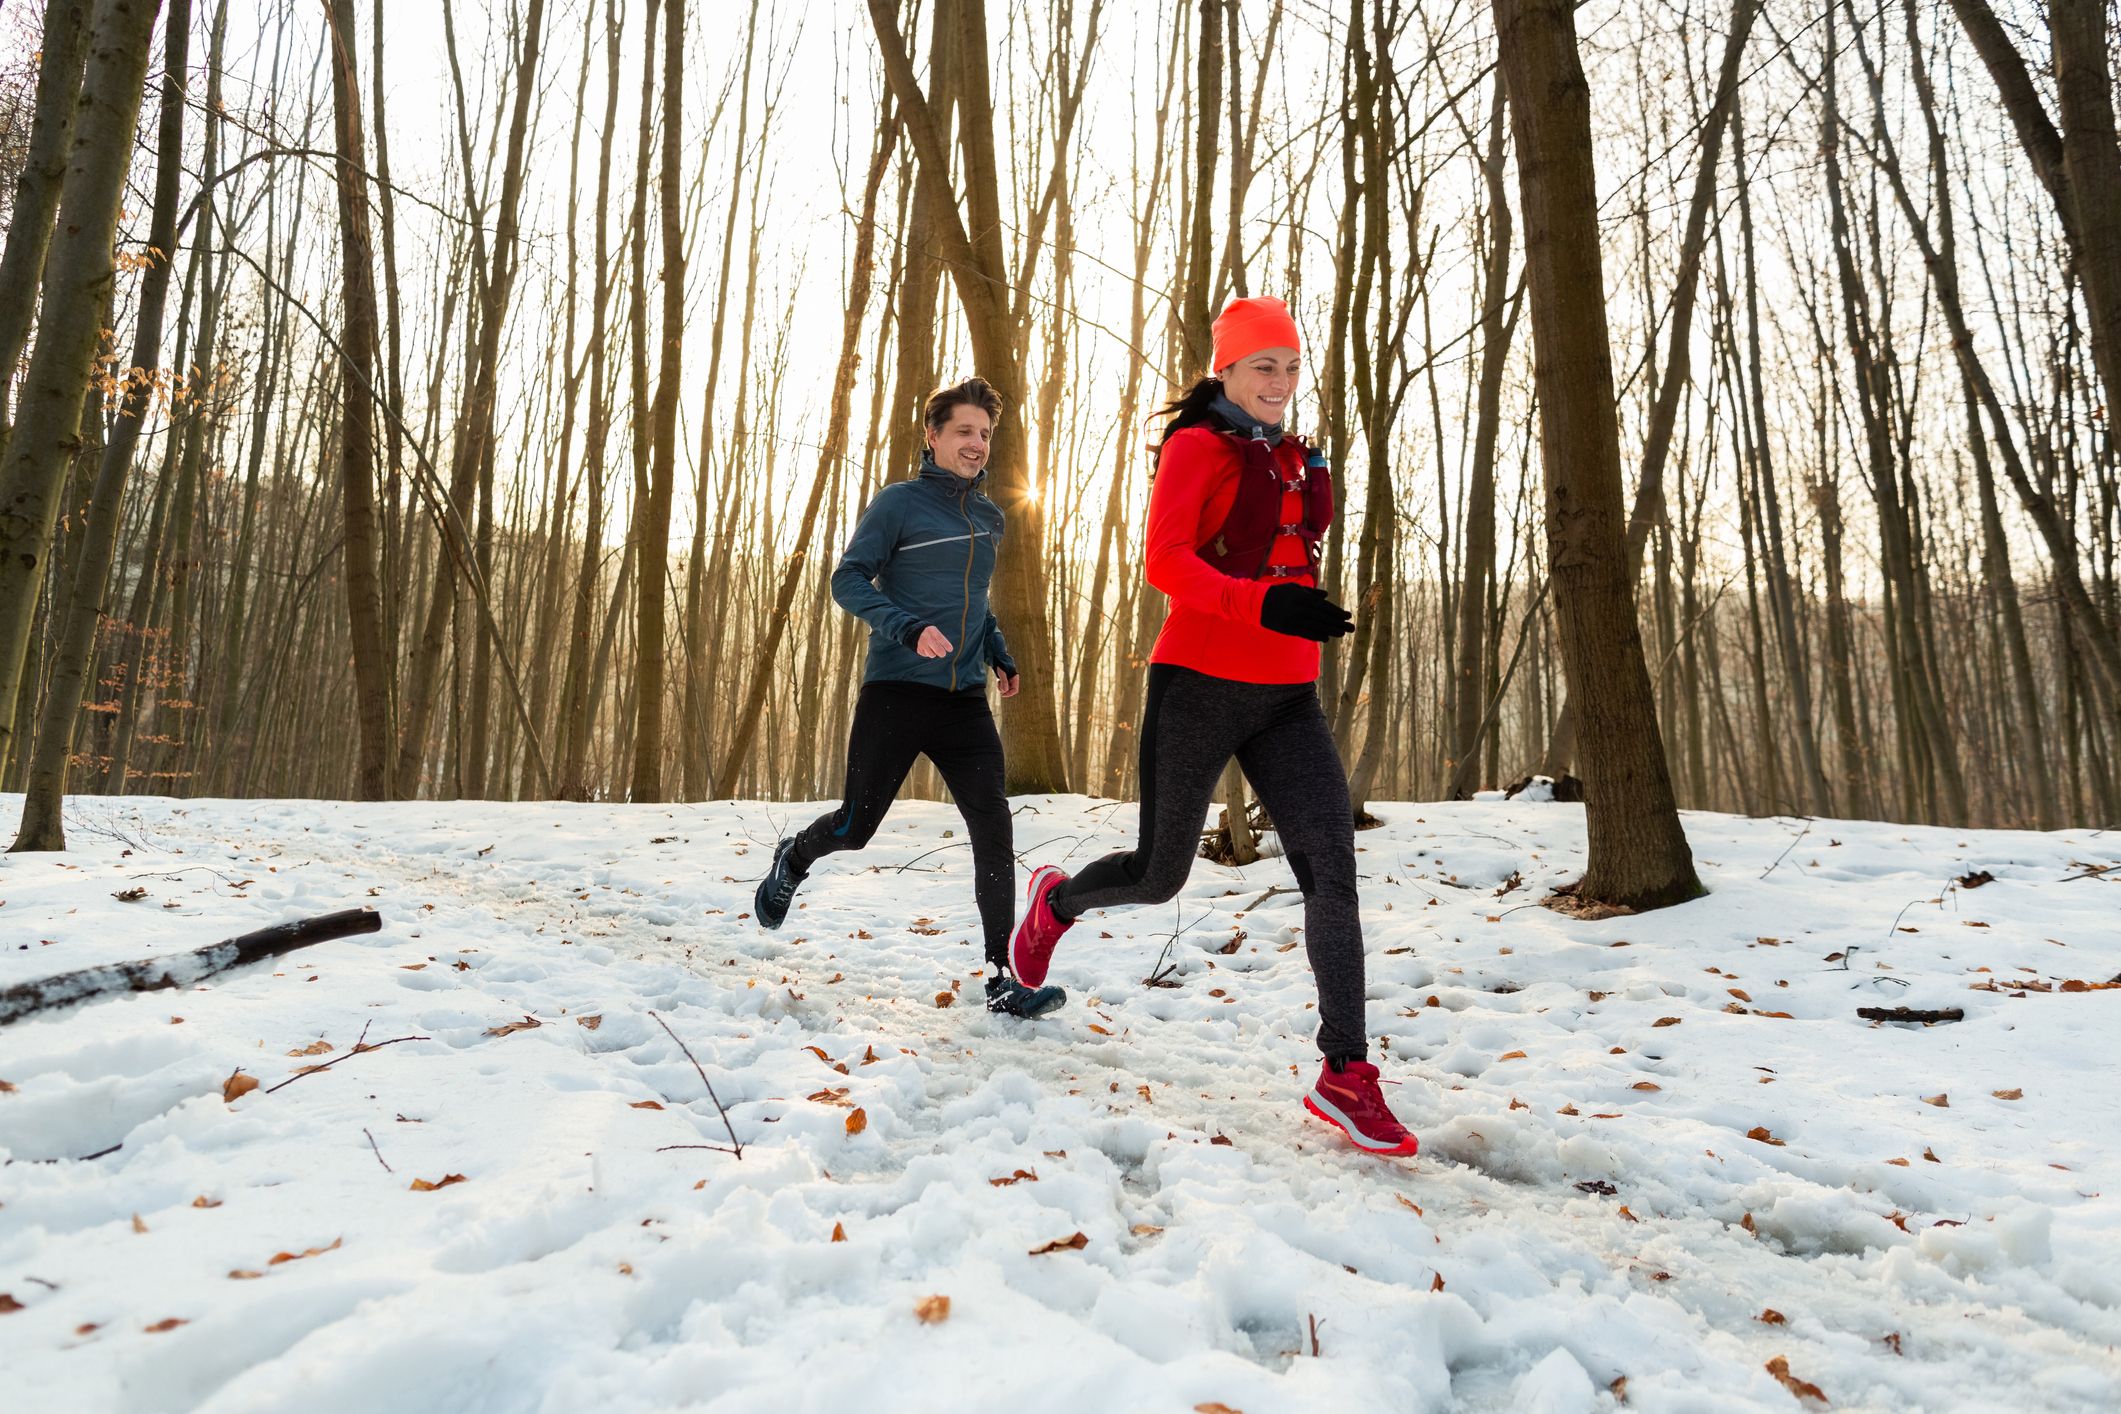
[(1234, 525), (916, 571)]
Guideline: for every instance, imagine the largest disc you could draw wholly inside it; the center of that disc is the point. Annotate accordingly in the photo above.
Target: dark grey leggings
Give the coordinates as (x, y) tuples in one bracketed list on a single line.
[(1192, 726), (896, 722)]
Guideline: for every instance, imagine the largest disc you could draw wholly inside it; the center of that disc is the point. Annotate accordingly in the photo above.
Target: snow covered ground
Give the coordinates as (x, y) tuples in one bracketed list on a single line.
[(1662, 1151)]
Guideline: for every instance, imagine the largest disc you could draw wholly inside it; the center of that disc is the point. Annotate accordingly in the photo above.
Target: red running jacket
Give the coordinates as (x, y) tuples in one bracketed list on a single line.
[(1214, 623)]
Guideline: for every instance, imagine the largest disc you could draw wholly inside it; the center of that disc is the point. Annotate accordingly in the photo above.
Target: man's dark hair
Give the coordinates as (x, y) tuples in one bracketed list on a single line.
[(976, 392)]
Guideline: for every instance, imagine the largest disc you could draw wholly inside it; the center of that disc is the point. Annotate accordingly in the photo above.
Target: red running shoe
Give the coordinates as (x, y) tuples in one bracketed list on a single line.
[(1031, 949), (1352, 1101)]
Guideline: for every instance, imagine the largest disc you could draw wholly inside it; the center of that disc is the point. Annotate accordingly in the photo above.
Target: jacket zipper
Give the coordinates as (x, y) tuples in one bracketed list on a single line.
[(964, 612)]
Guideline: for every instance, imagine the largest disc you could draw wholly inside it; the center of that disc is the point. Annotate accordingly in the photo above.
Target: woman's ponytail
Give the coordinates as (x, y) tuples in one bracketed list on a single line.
[(1191, 408)]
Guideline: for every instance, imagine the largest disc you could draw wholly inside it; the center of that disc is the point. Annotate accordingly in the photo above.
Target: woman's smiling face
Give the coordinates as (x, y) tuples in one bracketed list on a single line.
[(1264, 383)]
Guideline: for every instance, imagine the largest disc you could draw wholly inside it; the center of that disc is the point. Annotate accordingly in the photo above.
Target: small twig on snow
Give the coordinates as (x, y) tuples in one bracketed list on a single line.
[(379, 1153), (360, 1048), (1794, 842), (738, 1150)]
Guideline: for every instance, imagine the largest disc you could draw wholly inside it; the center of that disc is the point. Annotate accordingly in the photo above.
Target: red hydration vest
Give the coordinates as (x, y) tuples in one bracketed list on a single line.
[(1244, 544)]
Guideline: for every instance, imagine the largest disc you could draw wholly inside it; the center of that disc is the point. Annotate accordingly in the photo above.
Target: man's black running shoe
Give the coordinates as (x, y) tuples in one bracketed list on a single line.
[(1009, 997), (777, 890)]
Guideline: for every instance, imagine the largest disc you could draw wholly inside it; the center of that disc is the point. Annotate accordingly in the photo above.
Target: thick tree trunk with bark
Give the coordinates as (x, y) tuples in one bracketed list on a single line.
[(29, 226), (1030, 723), (357, 436), (43, 824), (1639, 856), (78, 276)]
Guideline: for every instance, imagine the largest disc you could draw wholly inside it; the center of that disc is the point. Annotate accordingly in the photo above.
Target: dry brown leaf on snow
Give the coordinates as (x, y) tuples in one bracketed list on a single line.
[(1145, 1229), (589, 1023), (819, 1052), (1075, 1243), (2008, 1094), (138, 1226), (421, 1185), (1215, 1406), (1099, 1029), (1646, 1085), (1897, 1163), (857, 1121), (834, 1095), (6, 1088), (169, 1325), (202, 1201), (241, 1274), (1760, 1132), (237, 1086), (280, 1257), (1779, 1367), (869, 1055), (943, 999), (314, 1048), (839, 1233), (1511, 1055), (1020, 1176), (1931, 1155), (1942, 1102), (1436, 1283), (528, 1023), (9, 1305), (1772, 1317), (645, 1105), (1628, 1215), (1406, 1202), (932, 1310), (1666, 1021)]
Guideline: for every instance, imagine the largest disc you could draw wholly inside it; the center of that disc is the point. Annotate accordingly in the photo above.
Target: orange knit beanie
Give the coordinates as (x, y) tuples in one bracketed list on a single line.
[(1248, 325)]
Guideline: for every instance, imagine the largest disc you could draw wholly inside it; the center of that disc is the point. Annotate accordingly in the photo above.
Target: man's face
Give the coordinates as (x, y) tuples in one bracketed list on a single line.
[(960, 444)]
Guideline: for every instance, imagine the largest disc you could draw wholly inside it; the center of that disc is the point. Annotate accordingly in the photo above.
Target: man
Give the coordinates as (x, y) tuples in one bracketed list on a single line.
[(916, 571)]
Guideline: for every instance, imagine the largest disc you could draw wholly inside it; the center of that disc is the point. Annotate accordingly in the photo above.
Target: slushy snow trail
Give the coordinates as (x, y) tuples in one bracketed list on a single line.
[(1589, 1221)]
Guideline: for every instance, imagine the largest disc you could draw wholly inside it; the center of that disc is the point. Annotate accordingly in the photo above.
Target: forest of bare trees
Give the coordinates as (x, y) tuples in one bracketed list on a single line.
[(471, 406)]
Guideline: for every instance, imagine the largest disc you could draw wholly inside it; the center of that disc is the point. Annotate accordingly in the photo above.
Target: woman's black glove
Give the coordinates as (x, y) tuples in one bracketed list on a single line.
[(1303, 612)]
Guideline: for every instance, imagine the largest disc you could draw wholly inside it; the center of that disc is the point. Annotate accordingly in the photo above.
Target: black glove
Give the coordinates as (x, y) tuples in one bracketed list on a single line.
[(912, 636), (1303, 612)]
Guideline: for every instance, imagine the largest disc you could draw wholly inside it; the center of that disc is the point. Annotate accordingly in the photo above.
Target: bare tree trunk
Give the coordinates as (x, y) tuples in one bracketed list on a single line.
[(1638, 852), (694, 716), (78, 276), (29, 226), (1030, 727), (654, 521), (357, 438), (1676, 380), (1478, 563), (43, 824)]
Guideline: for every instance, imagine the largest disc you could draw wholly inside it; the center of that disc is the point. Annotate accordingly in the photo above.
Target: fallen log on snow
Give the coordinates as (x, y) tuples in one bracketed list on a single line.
[(185, 969), (1925, 1015)]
